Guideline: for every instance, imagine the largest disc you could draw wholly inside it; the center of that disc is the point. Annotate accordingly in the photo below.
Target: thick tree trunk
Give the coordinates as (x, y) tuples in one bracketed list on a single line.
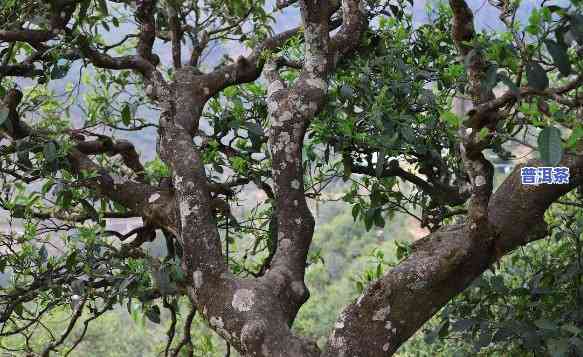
[(442, 265)]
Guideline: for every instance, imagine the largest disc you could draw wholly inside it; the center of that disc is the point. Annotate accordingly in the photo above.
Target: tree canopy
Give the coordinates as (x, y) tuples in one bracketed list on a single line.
[(254, 114)]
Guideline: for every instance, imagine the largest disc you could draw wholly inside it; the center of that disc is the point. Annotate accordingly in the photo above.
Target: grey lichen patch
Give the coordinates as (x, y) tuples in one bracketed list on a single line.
[(285, 244), (253, 333), (317, 83), (154, 197), (338, 343), (185, 211), (118, 180), (150, 91), (243, 300), (219, 325), (216, 322), (480, 180), (295, 184), (386, 347), (381, 314), (340, 322), (315, 47), (197, 278), (274, 87), (298, 288), (283, 142), (419, 284), (283, 117), (272, 108)]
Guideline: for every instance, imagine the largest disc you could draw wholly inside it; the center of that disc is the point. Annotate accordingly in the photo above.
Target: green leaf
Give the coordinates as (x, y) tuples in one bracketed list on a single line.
[(102, 5), (346, 92), (502, 334), (355, 211), (379, 221), (4, 113), (58, 72), (537, 76), (179, 274), (83, 9), (560, 57), (555, 8), (18, 309), (369, 218), (23, 157), (444, 329), (64, 199), (534, 22), (451, 119), (88, 207), (576, 134), (47, 186), (491, 78), (576, 26), (50, 151), (71, 260), (545, 324), (571, 328), (483, 133), (558, 347), (43, 254), (255, 128), (578, 343), (153, 314), (380, 162), (549, 145), (126, 115)]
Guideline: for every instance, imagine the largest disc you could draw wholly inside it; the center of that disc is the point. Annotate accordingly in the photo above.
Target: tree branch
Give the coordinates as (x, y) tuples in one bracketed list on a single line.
[(153, 205), (442, 265)]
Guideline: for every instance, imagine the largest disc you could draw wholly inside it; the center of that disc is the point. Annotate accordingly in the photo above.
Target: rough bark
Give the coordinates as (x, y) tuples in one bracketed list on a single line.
[(254, 316), (443, 264)]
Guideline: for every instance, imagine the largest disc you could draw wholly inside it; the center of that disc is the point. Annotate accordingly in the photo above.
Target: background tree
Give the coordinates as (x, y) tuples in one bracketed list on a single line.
[(408, 114)]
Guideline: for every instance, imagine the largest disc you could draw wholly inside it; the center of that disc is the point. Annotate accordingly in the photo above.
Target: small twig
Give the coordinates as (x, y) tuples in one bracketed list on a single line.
[(77, 313), (172, 329), (186, 339)]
